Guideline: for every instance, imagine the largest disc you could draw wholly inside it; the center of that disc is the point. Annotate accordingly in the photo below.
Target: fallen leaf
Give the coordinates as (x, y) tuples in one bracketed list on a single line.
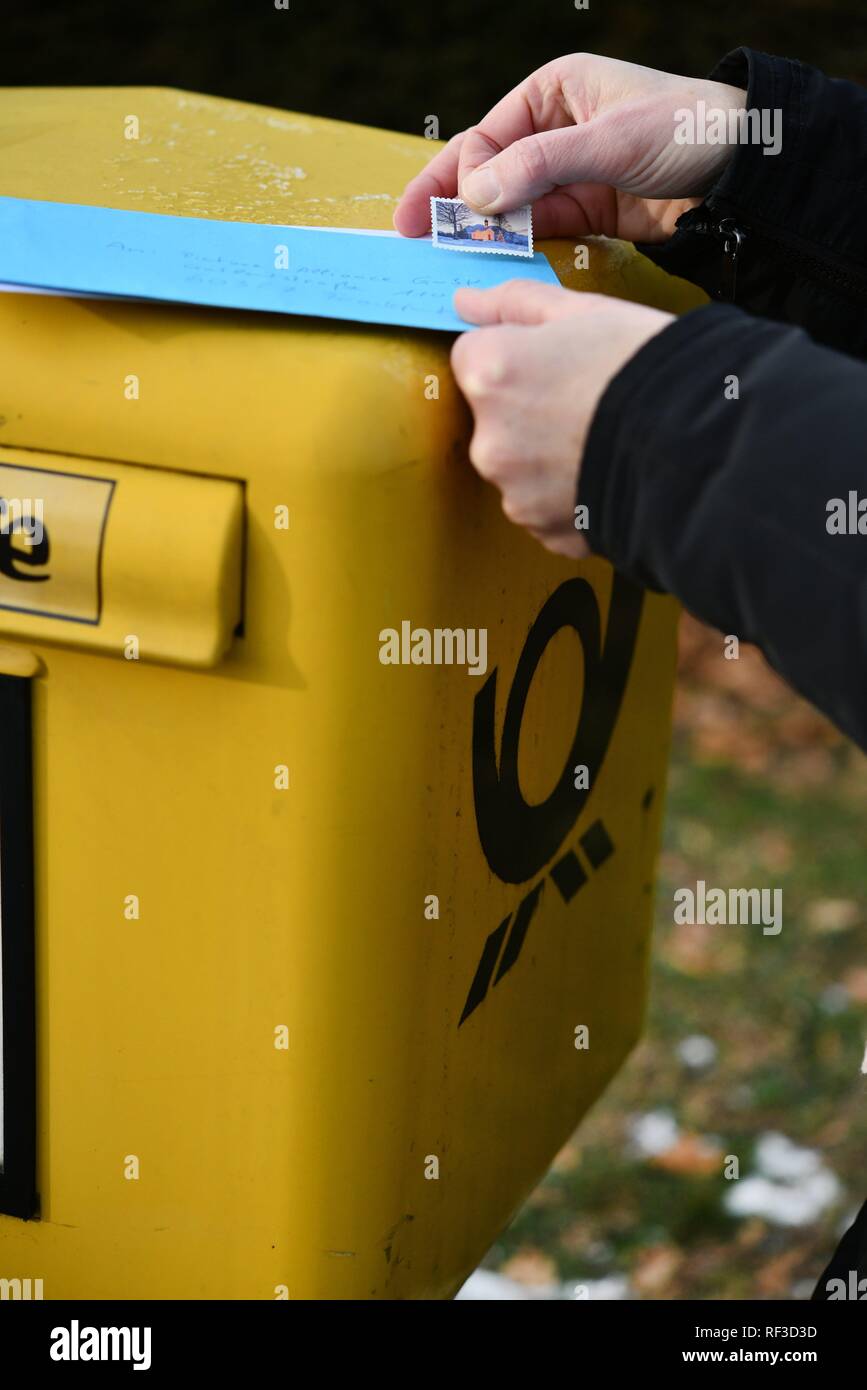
[(530, 1267), (691, 1155), (833, 914), (655, 1268)]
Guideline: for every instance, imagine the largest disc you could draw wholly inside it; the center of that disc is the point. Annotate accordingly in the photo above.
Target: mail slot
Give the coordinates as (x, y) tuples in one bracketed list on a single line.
[(141, 562), (318, 929)]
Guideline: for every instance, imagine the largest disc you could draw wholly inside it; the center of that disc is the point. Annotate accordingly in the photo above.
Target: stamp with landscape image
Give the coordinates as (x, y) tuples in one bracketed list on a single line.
[(457, 227)]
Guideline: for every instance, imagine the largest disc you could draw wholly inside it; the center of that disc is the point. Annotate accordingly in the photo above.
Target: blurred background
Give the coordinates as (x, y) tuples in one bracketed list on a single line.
[(390, 64), (747, 1051)]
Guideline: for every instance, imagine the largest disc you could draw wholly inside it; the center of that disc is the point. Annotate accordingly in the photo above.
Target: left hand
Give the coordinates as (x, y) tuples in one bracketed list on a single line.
[(533, 377)]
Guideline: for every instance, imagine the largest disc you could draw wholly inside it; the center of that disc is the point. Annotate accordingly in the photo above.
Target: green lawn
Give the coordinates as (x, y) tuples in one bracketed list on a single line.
[(762, 793)]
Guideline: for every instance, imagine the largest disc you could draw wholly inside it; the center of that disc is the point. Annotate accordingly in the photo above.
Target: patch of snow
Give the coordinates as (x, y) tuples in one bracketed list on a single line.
[(486, 1286), (777, 1157), (609, 1290), (793, 1187), (654, 1133), (697, 1052), (784, 1204)]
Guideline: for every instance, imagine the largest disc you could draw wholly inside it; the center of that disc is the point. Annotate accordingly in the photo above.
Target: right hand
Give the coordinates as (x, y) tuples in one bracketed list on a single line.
[(588, 141)]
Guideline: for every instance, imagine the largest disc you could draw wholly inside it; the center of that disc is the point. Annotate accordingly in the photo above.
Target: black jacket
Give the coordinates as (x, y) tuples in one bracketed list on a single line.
[(723, 498), (724, 501)]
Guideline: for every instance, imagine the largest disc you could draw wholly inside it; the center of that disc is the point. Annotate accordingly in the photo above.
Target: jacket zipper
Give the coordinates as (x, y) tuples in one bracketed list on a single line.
[(706, 221)]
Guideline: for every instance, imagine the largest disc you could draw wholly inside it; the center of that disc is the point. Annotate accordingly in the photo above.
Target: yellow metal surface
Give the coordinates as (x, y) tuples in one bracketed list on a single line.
[(358, 853), (139, 562)]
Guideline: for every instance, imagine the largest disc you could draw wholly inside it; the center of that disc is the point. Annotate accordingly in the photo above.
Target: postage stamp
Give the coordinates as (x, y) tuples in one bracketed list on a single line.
[(458, 228)]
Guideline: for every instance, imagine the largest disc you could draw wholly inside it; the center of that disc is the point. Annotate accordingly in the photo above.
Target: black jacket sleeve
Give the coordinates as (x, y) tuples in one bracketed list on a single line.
[(801, 214), (724, 502)]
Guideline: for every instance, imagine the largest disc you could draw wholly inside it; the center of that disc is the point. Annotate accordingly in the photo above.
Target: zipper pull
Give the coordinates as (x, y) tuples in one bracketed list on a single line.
[(733, 239)]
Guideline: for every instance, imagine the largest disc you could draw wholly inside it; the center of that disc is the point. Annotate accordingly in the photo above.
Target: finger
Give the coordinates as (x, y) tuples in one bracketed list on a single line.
[(535, 105), (531, 167), (512, 117), (595, 209), (516, 302), (569, 545), (439, 179), (479, 361), (578, 211)]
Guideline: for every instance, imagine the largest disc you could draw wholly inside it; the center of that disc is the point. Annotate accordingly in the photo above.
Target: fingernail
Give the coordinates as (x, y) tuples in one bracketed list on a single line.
[(481, 188)]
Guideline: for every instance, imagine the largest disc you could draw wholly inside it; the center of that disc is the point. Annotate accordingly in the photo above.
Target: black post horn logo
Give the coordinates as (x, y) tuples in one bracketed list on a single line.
[(518, 838)]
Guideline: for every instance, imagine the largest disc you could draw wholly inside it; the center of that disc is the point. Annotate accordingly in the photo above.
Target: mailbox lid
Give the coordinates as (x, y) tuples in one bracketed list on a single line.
[(221, 389)]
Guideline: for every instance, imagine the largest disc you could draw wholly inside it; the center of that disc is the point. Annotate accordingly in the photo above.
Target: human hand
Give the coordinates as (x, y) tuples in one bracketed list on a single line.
[(533, 377), (589, 141)]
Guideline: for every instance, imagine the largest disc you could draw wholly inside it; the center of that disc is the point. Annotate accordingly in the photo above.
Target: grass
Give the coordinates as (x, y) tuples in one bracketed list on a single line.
[(778, 800)]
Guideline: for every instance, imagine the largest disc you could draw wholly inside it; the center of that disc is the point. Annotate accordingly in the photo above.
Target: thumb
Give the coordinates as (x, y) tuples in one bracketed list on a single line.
[(516, 301), (529, 168)]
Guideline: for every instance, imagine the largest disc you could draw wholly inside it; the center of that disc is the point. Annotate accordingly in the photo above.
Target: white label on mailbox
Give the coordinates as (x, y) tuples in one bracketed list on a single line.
[(52, 527)]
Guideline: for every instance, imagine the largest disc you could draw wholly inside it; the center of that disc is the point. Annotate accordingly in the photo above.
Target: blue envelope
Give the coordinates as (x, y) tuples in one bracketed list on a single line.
[(364, 277)]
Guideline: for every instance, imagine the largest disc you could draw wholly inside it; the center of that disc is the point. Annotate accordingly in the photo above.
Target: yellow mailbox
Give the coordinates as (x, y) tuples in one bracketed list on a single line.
[(320, 903)]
